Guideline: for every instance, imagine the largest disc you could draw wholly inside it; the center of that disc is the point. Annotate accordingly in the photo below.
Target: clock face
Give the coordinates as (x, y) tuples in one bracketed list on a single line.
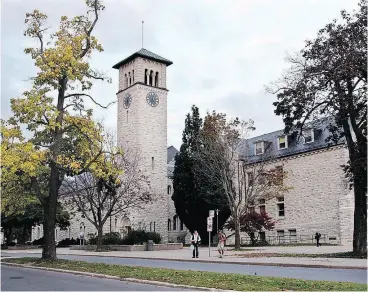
[(127, 100), (152, 98)]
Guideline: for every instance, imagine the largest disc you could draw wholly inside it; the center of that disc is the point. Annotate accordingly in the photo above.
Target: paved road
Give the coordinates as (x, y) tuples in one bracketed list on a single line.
[(21, 279), (338, 275)]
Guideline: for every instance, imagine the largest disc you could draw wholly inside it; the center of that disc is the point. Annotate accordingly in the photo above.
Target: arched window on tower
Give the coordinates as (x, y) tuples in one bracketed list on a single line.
[(168, 224), (130, 79), (126, 81), (145, 76), (181, 225), (150, 226), (133, 76), (169, 190), (175, 221), (156, 79), (151, 78)]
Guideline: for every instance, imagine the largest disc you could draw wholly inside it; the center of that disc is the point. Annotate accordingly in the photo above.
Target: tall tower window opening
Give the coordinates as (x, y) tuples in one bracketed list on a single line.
[(151, 78), (126, 81), (156, 79), (175, 222), (133, 76), (154, 226), (145, 76), (168, 224), (130, 79)]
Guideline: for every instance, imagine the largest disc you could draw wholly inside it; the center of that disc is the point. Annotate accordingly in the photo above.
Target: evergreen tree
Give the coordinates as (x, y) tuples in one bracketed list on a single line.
[(191, 190)]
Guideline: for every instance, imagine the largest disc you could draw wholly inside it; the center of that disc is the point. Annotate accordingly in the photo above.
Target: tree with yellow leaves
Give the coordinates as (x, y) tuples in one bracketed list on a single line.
[(66, 141)]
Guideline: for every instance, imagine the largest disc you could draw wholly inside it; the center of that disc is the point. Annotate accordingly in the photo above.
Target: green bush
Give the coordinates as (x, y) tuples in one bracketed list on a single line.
[(141, 237), (112, 238)]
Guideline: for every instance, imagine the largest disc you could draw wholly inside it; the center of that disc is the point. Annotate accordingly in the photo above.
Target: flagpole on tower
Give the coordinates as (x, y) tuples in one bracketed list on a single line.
[(142, 33)]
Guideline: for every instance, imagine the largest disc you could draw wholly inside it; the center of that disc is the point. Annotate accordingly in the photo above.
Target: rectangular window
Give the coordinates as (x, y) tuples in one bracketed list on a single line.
[(280, 207), (262, 206), (281, 236), (283, 143), (292, 234), (308, 135), (250, 179), (259, 148), (262, 236)]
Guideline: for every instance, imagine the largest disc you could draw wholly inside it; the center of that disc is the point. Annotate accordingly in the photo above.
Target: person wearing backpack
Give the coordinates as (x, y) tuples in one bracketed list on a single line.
[(195, 240)]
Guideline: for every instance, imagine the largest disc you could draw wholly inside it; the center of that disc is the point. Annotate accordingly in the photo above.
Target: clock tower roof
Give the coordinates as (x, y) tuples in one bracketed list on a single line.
[(145, 54)]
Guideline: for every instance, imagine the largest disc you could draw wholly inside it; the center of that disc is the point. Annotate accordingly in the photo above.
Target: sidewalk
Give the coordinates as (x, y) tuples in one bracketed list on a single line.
[(231, 257)]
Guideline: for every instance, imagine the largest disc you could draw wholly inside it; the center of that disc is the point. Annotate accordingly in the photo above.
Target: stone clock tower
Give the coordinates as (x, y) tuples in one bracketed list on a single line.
[(142, 126)]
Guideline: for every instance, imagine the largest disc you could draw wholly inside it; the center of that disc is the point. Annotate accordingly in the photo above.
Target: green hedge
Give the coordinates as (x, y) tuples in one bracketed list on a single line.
[(133, 237)]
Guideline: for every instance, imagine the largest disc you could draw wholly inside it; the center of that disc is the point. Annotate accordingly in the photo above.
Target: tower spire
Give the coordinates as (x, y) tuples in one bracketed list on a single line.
[(142, 33)]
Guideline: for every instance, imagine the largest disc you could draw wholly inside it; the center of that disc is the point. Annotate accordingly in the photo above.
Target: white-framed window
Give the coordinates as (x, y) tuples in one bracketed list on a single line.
[(281, 236), (259, 148), (282, 142), (308, 135), (280, 207)]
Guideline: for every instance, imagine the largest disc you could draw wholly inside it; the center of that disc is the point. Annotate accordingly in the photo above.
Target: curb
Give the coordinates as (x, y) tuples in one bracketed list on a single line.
[(230, 263), (133, 280), (287, 265)]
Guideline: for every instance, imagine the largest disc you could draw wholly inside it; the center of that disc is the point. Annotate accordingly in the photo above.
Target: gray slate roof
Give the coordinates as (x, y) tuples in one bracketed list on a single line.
[(145, 54), (296, 143)]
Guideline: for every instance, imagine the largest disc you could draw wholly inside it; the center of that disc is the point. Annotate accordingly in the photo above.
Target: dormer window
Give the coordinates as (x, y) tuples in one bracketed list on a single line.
[(308, 135), (259, 148), (282, 142)]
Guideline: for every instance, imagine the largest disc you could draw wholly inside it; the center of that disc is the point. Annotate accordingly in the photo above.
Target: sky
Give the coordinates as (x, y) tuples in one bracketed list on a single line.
[(224, 52)]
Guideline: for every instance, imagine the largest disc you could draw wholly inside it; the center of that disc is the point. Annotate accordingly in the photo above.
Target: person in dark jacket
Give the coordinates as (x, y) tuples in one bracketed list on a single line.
[(318, 237)]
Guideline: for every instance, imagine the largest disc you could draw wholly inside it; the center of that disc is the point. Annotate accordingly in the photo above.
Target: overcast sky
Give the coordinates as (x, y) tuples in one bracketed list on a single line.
[(224, 52)]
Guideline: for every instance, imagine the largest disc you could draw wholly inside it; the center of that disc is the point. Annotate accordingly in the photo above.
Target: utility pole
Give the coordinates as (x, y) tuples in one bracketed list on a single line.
[(217, 212)]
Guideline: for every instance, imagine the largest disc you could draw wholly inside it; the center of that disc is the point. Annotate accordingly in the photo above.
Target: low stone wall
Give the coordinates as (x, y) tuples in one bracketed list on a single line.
[(156, 247)]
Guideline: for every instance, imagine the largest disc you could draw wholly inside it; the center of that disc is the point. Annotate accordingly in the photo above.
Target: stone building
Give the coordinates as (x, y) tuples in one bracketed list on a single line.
[(319, 200)]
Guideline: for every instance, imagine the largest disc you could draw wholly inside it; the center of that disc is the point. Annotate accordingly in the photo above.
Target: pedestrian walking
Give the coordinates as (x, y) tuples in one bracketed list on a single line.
[(317, 237), (221, 243), (195, 240)]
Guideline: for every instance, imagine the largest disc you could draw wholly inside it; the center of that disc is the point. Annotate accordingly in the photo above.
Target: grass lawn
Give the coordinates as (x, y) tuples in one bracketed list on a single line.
[(195, 278), (349, 254)]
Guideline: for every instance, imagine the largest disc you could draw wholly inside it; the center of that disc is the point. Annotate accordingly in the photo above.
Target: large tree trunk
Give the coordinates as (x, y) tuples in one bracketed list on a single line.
[(99, 238), (237, 232), (360, 218), (50, 204), (8, 233)]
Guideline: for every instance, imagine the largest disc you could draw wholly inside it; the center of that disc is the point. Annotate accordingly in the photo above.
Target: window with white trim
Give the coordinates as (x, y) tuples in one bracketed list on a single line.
[(282, 142), (280, 207), (308, 135), (259, 148)]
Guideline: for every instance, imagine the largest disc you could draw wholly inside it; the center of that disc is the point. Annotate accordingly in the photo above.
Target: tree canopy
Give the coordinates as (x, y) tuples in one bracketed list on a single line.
[(65, 138), (191, 189)]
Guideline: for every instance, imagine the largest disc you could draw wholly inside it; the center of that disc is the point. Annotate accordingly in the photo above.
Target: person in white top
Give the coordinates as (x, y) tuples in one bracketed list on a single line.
[(196, 240)]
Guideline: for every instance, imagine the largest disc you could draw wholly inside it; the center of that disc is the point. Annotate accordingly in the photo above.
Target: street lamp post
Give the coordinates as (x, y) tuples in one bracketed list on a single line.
[(217, 211)]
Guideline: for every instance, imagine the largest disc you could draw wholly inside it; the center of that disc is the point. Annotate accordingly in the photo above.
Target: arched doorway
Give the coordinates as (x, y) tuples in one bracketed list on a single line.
[(124, 226)]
